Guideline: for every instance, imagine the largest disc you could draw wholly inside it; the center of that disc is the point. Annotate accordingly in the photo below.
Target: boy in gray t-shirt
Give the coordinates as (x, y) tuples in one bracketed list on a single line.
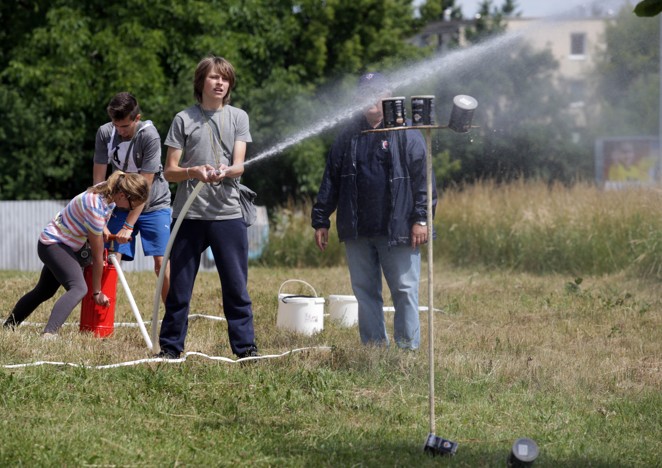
[(196, 132), (132, 146), (208, 142)]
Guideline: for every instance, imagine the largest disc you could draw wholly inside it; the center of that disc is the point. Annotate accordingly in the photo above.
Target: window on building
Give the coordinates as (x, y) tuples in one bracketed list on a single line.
[(578, 44)]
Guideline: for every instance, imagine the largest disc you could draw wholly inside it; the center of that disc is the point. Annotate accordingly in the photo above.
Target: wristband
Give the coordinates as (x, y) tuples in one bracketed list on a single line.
[(187, 175), (128, 226), (96, 293)]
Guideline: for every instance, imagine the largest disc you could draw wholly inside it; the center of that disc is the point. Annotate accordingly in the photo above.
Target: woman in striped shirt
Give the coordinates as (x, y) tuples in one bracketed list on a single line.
[(81, 221)]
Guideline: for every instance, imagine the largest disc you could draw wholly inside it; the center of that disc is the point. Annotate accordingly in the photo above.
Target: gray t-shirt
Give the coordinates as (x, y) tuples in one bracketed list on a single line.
[(141, 154), (197, 135)]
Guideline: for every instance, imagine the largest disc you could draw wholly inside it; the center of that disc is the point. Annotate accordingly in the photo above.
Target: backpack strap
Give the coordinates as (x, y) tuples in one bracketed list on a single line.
[(130, 153), (137, 158)]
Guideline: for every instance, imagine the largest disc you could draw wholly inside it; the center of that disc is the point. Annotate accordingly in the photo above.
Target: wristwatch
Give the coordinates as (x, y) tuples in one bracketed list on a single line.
[(421, 223)]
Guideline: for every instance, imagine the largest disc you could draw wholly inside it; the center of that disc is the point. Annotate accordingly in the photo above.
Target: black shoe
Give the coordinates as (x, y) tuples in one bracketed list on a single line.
[(166, 355), (250, 352)]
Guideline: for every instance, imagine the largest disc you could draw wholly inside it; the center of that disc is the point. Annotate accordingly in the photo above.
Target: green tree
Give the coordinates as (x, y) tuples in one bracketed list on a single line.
[(627, 77), (65, 59), (491, 20), (340, 47), (525, 129), (438, 10), (648, 8)]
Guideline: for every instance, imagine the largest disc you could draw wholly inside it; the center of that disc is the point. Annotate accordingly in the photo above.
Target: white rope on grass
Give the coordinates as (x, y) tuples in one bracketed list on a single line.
[(163, 359)]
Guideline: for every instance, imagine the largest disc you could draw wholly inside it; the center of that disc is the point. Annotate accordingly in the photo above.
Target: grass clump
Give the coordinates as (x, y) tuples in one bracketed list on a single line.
[(292, 240)]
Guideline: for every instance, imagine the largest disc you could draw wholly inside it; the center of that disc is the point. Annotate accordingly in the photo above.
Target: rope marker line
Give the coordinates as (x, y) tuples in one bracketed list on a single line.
[(160, 359)]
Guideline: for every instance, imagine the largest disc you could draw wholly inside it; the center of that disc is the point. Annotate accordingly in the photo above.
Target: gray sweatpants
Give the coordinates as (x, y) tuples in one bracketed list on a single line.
[(61, 268)]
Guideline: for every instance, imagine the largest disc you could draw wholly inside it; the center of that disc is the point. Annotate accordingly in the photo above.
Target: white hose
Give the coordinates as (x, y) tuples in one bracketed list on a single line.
[(166, 257), (129, 296), (164, 360)]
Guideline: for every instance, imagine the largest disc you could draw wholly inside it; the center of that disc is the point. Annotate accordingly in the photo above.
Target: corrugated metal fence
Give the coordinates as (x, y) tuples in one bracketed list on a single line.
[(21, 223)]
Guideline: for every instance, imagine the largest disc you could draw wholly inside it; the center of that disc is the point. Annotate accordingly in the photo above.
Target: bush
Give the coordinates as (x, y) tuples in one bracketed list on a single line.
[(292, 240)]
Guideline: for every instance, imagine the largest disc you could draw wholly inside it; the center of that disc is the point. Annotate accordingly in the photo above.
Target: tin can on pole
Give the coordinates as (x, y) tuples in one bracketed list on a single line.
[(462, 113), (422, 110), (394, 112)]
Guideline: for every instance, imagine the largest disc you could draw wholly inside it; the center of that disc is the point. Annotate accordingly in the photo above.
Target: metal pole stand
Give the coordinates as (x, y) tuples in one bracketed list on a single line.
[(434, 445)]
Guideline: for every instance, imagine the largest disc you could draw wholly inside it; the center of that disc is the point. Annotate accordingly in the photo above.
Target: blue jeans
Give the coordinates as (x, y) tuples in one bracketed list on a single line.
[(367, 259)]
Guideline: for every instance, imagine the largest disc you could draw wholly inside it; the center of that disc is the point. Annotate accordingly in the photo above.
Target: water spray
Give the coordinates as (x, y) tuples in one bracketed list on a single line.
[(440, 67)]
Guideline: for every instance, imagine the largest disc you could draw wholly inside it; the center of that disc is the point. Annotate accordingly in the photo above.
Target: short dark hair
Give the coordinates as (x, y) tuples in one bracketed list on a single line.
[(123, 105), (218, 64)]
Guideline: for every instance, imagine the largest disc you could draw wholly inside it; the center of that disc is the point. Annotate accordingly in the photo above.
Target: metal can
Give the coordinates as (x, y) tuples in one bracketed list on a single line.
[(462, 113), (394, 112), (422, 110)]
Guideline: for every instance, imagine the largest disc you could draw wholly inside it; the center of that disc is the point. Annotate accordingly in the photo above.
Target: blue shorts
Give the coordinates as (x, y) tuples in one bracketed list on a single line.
[(154, 230)]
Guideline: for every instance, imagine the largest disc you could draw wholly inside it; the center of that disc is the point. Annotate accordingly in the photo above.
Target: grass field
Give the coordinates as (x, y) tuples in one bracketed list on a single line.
[(576, 367), (551, 328)]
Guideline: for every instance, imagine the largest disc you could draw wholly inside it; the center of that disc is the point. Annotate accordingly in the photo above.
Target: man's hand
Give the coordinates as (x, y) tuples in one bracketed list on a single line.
[(322, 238), (419, 235)]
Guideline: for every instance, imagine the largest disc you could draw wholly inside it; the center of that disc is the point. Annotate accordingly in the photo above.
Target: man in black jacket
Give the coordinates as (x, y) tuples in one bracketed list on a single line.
[(377, 182)]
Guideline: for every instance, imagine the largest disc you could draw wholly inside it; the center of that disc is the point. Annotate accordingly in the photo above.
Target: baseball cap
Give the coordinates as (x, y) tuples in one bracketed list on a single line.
[(373, 81)]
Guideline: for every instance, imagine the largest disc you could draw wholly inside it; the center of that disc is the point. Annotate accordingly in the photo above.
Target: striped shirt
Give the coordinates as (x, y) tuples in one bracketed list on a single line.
[(86, 213)]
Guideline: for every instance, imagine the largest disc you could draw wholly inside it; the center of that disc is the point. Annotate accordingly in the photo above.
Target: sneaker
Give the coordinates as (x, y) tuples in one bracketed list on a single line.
[(49, 336), (166, 355), (250, 352)]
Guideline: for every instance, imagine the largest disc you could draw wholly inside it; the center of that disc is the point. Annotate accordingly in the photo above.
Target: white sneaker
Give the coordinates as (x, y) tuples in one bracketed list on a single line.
[(48, 336)]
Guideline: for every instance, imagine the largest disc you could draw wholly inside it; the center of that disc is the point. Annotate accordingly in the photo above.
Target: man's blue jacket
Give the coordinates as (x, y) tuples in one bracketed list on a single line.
[(407, 182)]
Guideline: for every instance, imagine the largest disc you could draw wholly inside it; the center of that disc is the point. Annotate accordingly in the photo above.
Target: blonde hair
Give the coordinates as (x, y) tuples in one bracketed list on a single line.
[(134, 186), (219, 65)]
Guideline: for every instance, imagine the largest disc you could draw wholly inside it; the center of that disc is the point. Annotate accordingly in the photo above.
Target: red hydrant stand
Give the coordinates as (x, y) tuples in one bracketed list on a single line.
[(95, 318)]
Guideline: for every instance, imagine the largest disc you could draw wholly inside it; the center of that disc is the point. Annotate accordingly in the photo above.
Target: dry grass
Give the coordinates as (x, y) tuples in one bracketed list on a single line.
[(553, 229), (571, 359), (600, 336)]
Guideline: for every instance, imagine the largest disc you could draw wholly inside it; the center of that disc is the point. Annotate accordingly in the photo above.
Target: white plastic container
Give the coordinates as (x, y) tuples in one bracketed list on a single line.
[(301, 314), (344, 310)]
